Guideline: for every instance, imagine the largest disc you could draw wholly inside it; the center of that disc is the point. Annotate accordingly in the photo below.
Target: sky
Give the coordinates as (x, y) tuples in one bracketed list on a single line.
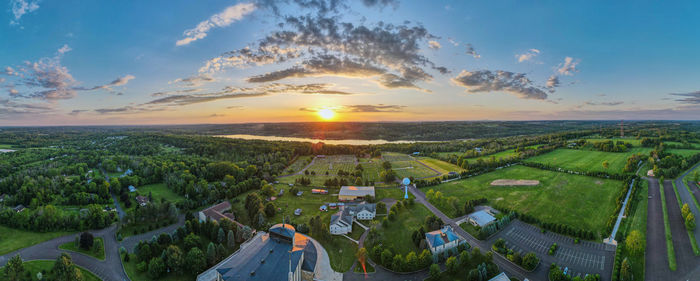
[(188, 62)]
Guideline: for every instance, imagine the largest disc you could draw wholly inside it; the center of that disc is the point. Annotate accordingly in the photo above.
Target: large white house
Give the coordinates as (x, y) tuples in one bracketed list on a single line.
[(363, 211), (341, 222), (442, 240)]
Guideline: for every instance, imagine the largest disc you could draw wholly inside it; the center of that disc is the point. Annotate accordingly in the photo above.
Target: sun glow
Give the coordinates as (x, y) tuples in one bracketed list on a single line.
[(326, 114)]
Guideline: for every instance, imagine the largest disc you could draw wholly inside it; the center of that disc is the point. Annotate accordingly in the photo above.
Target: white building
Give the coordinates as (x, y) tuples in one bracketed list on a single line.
[(341, 222), (442, 240)]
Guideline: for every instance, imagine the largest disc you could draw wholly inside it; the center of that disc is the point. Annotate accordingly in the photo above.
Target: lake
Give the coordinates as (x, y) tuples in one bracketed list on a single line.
[(6, 150), (336, 142)]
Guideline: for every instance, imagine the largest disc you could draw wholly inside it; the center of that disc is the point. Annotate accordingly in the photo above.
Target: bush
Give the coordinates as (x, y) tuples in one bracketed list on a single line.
[(142, 266), (86, 240)]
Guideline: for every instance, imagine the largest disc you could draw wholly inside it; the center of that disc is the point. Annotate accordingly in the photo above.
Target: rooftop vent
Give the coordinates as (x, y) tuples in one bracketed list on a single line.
[(252, 273), (272, 250), (262, 260)]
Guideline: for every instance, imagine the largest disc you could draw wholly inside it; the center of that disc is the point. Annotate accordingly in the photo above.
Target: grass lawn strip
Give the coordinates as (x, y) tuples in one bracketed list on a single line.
[(637, 220), (12, 239), (667, 229), (36, 266), (98, 253), (691, 235)]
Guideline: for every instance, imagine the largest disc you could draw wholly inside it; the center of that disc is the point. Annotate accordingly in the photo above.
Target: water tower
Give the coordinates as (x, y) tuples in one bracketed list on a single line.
[(405, 182)]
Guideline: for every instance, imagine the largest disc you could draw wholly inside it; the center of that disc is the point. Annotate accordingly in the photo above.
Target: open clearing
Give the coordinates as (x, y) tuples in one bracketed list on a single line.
[(497, 156), (439, 165), (579, 201), (12, 239), (585, 160), (504, 182), (160, 191)]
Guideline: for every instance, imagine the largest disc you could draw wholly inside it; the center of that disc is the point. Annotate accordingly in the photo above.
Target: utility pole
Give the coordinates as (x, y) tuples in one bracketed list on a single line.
[(622, 128)]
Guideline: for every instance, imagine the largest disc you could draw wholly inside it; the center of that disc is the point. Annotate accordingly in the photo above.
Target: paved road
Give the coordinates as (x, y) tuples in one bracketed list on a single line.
[(685, 258), (108, 270), (656, 260), (687, 197), (130, 242)]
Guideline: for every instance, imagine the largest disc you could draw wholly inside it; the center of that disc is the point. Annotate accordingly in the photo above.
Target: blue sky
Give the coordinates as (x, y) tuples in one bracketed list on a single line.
[(160, 62)]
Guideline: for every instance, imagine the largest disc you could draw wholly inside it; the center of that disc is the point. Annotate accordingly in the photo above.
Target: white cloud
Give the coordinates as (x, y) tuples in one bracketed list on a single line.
[(529, 55), (64, 49), (22, 7), (568, 67), (223, 19), (435, 45), (472, 52)]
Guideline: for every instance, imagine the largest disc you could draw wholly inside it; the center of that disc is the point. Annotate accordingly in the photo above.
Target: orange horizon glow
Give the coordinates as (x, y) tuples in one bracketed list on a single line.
[(326, 114)]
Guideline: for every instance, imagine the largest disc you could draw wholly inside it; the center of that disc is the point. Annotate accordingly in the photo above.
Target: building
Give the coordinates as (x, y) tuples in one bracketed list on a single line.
[(142, 200), (217, 212), (280, 254), (363, 211), (297, 212), (351, 193), (442, 240), (319, 191), (132, 188), (19, 208), (500, 277), (481, 218), (416, 153), (341, 222)]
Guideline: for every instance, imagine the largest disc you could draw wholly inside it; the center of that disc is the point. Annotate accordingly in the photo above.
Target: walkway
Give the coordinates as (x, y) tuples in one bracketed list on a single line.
[(611, 239)]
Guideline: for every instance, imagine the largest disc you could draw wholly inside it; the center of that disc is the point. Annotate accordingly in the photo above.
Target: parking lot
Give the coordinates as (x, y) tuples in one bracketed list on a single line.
[(583, 258)]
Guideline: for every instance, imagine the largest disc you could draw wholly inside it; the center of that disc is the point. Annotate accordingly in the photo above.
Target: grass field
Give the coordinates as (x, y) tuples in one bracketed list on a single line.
[(36, 266), (398, 234), (638, 221), (12, 239), (98, 253), (498, 155), (298, 164), (439, 165), (5, 146), (667, 229), (160, 191), (635, 142), (584, 160), (579, 201), (683, 152)]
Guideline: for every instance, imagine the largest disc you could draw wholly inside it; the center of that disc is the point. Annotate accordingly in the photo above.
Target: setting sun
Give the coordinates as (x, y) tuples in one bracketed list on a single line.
[(326, 114)]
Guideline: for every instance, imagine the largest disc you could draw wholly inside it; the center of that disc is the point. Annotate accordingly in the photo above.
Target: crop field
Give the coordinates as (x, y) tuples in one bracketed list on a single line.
[(439, 165), (579, 201), (394, 157), (585, 160), (332, 164)]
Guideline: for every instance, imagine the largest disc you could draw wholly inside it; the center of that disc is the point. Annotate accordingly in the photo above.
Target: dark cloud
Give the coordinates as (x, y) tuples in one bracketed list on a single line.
[(552, 83), (608, 103), (691, 98), (488, 81), (362, 108), (193, 81), (472, 52)]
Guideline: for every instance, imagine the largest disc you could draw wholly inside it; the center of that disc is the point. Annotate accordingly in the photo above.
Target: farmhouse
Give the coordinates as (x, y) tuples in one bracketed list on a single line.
[(442, 240), (280, 254), (341, 222), (481, 218), (363, 211), (217, 212), (142, 200), (351, 193)]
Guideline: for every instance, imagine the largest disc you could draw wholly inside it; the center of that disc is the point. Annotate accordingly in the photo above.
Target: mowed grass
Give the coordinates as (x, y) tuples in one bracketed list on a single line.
[(585, 160), (36, 266), (297, 165), (12, 239), (509, 153), (683, 152), (638, 222), (98, 253), (667, 230), (398, 234), (160, 191), (5, 146), (406, 169), (579, 201), (135, 275), (439, 165), (635, 142)]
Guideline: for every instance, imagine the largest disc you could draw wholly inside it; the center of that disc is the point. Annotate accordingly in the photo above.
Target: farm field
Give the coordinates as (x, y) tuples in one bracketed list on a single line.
[(585, 160), (441, 166), (498, 155), (34, 267), (579, 201), (12, 239), (160, 191), (683, 152), (406, 169)]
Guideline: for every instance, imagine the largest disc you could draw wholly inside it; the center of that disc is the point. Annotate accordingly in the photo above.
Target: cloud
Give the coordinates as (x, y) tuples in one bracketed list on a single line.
[(552, 83), (488, 81), (471, 51), (527, 56), (611, 103), (381, 3), (64, 49), (435, 45), (193, 81), (323, 65), (247, 57), (20, 8), (690, 98), (223, 19), (452, 41), (568, 67), (360, 108)]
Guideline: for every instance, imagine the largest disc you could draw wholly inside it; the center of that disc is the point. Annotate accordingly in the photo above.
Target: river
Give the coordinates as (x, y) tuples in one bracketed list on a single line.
[(336, 142)]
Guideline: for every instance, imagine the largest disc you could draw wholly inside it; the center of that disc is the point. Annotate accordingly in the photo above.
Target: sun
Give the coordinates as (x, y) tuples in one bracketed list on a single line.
[(326, 114)]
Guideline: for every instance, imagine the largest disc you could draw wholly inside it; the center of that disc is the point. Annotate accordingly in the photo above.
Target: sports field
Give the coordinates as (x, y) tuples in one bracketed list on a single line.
[(585, 160), (580, 201)]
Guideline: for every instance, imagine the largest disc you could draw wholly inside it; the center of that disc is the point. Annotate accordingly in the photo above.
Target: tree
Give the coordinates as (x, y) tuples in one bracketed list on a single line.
[(195, 260), (361, 255), (221, 235), (175, 259), (530, 261), (635, 242), (434, 271), (381, 207), (231, 240), (685, 210), (386, 165), (14, 268), (690, 221), (211, 254), (606, 164), (191, 241), (452, 264), (625, 270), (65, 270), (86, 240), (156, 268), (270, 210), (386, 257)]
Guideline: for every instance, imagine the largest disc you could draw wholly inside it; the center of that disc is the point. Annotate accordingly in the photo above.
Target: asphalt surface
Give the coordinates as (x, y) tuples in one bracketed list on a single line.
[(687, 197), (656, 260), (130, 242), (685, 258)]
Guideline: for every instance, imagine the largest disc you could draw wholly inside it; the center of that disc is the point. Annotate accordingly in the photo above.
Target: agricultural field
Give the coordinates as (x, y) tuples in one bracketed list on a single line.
[(405, 169), (683, 152), (498, 155), (439, 165), (297, 165), (579, 201), (584, 160), (635, 142), (12, 239)]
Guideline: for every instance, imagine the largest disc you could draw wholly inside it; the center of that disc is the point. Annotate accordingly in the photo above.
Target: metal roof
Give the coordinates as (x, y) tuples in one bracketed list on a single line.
[(482, 218), (357, 190)]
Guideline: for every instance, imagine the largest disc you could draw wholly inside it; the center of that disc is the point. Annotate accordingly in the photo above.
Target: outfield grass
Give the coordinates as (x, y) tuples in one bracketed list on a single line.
[(667, 229), (691, 235), (135, 275), (12, 239), (397, 235), (589, 161), (98, 253), (36, 266), (441, 166), (160, 191), (579, 201)]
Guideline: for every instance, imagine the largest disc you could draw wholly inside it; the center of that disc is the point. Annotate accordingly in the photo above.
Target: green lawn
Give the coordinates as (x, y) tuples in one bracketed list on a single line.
[(498, 155), (298, 164), (635, 142), (135, 275), (579, 201), (468, 227), (398, 234), (98, 253), (37, 266), (341, 252), (357, 230), (442, 166), (12, 239), (638, 221), (159, 190), (5, 146), (585, 160), (683, 152)]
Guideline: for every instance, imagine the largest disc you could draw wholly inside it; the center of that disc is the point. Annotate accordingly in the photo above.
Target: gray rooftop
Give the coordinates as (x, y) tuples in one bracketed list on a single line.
[(357, 190), (482, 218)]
